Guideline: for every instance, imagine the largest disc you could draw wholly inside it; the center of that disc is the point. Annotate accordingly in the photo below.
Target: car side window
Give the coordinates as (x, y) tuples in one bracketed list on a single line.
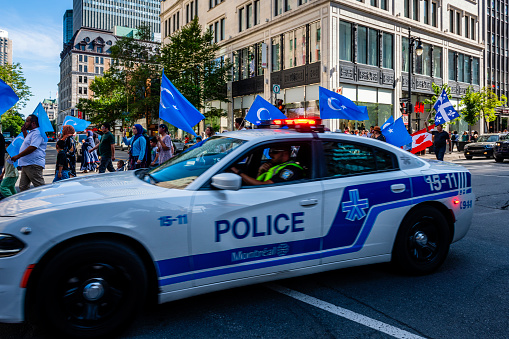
[(344, 159)]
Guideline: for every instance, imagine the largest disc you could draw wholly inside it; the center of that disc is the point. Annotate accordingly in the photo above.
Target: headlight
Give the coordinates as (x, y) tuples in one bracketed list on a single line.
[(498, 144), (10, 245), (488, 146)]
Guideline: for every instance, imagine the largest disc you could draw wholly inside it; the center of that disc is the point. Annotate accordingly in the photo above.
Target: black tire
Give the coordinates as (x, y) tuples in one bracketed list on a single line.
[(422, 242), (469, 157), (497, 159), (112, 274)]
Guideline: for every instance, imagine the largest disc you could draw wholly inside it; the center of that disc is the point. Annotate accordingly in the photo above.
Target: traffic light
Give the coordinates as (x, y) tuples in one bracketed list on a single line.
[(280, 106), (402, 108)]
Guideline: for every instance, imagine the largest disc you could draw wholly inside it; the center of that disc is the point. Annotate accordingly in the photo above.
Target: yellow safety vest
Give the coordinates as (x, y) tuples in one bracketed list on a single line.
[(266, 176)]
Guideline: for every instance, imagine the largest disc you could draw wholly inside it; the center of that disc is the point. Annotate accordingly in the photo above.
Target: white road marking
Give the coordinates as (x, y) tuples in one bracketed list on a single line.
[(342, 312)]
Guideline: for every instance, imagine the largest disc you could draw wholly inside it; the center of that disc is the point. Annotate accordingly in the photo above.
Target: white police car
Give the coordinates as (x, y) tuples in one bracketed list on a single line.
[(82, 255)]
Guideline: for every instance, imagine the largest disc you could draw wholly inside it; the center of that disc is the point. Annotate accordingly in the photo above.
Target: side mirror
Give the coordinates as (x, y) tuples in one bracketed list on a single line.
[(227, 181)]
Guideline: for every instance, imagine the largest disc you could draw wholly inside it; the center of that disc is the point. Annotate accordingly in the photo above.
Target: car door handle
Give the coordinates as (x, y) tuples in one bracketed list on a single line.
[(398, 188), (308, 202)]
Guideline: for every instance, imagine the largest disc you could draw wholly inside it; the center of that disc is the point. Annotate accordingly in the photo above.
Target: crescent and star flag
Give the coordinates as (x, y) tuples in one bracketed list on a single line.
[(421, 140), (335, 106), (396, 133), (444, 110), (7, 97), (262, 110), (389, 121), (15, 145), (176, 109), (79, 124), (44, 123)]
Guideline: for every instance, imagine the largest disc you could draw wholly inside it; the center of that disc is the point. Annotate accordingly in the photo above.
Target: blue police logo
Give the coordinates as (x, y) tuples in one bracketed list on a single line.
[(286, 174), (283, 249), (355, 207)]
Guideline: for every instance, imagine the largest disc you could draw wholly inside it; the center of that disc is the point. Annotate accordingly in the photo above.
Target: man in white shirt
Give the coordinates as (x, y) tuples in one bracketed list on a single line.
[(239, 124), (32, 154)]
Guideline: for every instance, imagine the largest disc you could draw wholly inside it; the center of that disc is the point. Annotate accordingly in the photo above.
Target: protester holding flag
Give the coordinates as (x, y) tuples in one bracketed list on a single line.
[(70, 147), (377, 134), (106, 149), (440, 142), (32, 155), (164, 144)]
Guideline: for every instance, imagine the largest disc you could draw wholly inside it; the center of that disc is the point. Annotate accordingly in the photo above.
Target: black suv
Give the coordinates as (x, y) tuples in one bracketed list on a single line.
[(501, 149), (483, 147)]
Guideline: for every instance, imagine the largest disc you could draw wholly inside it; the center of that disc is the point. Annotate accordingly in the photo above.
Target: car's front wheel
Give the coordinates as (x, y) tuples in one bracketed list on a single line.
[(91, 289), (422, 242), (499, 159), (469, 157)]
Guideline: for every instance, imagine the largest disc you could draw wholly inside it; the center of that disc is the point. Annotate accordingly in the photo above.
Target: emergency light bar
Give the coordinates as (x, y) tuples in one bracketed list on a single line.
[(298, 124)]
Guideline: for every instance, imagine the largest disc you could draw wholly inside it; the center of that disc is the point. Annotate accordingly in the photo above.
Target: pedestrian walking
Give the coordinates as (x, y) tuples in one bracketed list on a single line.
[(454, 140), (440, 139), (164, 144), (9, 176), (137, 152), (62, 168), (106, 149), (70, 147), (154, 155), (3, 147), (32, 154), (89, 159)]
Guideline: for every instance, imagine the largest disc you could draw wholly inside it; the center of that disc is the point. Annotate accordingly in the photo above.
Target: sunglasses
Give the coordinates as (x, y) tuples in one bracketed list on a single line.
[(272, 151)]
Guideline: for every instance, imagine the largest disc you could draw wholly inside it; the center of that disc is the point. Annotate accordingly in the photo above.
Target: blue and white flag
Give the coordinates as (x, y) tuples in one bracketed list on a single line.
[(262, 110), (396, 133), (444, 110), (7, 97), (336, 106), (15, 145), (176, 109), (44, 123), (389, 121), (79, 124)]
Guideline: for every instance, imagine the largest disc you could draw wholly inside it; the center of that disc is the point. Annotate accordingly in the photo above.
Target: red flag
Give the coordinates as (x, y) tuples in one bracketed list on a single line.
[(422, 140)]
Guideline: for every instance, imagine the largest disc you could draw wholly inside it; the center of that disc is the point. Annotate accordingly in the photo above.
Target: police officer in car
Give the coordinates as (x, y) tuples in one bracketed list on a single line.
[(279, 169)]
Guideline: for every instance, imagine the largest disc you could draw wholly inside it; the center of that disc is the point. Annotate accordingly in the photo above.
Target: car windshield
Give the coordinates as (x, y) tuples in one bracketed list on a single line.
[(504, 137), (488, 138), (183, 169)]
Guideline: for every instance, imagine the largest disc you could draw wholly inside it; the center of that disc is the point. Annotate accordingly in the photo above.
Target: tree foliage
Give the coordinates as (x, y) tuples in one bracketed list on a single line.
[(13, 76), (190, 63), (12, 122), (482, 104), (470, 104)]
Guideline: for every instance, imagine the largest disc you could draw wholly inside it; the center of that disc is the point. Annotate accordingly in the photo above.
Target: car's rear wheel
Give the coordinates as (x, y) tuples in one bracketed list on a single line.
[(498, 159), (422, 242), (91, 289)]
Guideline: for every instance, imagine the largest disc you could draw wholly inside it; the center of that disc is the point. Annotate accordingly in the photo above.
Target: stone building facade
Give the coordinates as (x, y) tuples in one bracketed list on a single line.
[(358, 47), (5, 48)]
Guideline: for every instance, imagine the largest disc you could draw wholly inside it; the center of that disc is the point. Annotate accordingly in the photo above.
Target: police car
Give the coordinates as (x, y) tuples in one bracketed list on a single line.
[(82, 255)]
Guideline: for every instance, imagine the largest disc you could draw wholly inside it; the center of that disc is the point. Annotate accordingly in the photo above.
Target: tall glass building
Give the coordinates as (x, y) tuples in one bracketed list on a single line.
[(106, 14), (68, 22)]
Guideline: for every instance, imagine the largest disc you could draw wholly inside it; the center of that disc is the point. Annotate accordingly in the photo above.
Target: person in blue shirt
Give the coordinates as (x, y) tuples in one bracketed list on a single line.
[(137, 158)]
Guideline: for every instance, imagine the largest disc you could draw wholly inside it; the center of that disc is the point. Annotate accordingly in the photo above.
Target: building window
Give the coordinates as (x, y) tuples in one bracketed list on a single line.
[(249, 16), (415, 4), (472, 28), (467, 30), (437, 62), (96, 60), (236, 66), (80, 58), (406, 10), (426, 10), (295, 48), (458, 23), (301, 2), (451, 21), (97, 70), (85, 79), (423, 62), (452, 66), (278, 4), (187, 12), (80, 91), (434, 19), (276, 54), (216, 31), (80, 79), (388, 50), (241, 19), (367, 46), (85, 90), (362, 44), (80, 68), (85, 69), (99, 49), (475, 71), (345, 41), (314, 42), (223, 27)]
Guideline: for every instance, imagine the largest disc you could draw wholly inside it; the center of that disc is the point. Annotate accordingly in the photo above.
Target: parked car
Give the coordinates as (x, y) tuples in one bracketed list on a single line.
[(501, 149), (483, 147), (179, 145)]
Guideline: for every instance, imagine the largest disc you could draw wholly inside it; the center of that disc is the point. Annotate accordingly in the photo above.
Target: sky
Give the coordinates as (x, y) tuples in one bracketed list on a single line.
[(35, 28)]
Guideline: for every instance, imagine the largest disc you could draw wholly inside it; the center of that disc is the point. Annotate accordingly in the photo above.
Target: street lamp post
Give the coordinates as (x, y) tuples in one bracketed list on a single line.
[(418, 51)]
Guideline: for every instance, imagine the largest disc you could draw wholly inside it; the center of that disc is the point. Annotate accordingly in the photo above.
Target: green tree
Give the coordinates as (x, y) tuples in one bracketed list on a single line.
[(12, 123), (13, 76), (470, 104), (490, 101), (191, 64)]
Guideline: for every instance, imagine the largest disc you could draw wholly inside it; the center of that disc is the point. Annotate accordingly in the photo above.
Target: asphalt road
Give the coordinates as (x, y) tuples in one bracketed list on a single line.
[(467, 298)]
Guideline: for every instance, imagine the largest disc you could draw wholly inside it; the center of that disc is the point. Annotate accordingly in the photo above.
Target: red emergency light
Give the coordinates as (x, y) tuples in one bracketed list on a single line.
[(300, 121)]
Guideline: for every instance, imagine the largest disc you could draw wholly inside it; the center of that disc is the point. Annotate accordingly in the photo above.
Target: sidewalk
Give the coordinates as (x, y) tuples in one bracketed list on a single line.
[(449, 156)]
